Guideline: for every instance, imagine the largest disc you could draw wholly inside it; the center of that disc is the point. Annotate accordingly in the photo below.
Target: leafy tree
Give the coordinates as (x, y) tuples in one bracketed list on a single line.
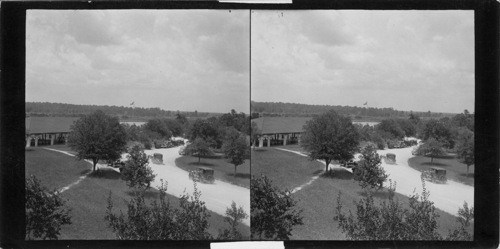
[(159, 220), (136, 171), (330, 137), (159, 126), (465, 148), (369, 173), (431, 148), (97, 136), (199, 148), (408, 127), (207, 130), (234, 217), (235, 148), (273, 215), (392, 127), (390, 220), (464, 120), (465, 217), (46, 212), (438, 130)]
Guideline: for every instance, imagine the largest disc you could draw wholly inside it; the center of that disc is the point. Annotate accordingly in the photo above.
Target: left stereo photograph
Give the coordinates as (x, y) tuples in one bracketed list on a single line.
[(137, 124)]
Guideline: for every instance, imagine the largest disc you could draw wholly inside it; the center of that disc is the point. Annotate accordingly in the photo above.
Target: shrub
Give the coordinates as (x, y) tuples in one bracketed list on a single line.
[(390, 220), (369, 172), (234, 216), (136, 171), (465, 216), (160, 221), (273, 215), (45, 212)]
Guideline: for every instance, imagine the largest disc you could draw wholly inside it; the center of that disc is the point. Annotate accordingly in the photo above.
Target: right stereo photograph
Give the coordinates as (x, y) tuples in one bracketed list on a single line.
[(362, 125)]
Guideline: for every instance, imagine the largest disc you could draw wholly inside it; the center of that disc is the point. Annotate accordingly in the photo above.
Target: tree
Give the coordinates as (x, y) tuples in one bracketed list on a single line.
[(207, 130), (159, 126), (97, 136), (234, 217), (46, 212), (390, 220), (465, 147), (273, 215), (465, 216), (438, 130), (136, 171), (160, 221), (431, 148), (391, 127), (199, 148), (235, 148), (330, 137), (369, 173)]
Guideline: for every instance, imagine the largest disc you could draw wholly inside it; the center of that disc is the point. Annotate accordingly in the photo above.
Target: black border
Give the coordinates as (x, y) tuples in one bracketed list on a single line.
[(12, 105)]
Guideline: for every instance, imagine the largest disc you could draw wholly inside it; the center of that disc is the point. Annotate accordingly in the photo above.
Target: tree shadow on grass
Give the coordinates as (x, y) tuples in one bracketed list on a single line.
[(434, 164), (317, 172), (240, 175), (105, 174), (201, 164), (338, 174)]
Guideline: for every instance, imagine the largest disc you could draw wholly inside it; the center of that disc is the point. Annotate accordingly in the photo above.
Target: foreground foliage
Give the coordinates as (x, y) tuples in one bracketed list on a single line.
[(234, 216), (391, 220), (273, 215), (160, 221), (46, 212)]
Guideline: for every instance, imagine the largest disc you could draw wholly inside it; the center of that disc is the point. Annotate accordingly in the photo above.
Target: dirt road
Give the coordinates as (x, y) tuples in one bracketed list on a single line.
[(217, 196), (447, 197)]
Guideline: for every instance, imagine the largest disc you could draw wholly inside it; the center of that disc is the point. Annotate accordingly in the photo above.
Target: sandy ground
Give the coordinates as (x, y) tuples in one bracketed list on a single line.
[(448, 197), (217, 197)]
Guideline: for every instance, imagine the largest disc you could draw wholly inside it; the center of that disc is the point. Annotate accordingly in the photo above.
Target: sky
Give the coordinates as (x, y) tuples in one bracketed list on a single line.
[(183, 60), (407, 60)]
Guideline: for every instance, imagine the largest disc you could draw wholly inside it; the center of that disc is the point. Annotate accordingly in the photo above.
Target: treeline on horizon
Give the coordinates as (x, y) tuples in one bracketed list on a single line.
[(73, 110), (305, 110)]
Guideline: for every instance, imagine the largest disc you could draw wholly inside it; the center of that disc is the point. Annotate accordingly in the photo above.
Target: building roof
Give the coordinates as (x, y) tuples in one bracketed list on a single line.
[(38, 125), (274, 125)]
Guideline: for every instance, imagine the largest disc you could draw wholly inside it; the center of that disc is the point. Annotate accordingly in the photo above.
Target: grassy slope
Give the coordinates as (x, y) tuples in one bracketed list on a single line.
[(88, 199), (40, 162), (454, 169), (224, 171), (318, 200)]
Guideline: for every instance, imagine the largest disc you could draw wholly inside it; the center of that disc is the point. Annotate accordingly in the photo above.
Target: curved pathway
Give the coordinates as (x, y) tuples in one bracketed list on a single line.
[(217, 196)]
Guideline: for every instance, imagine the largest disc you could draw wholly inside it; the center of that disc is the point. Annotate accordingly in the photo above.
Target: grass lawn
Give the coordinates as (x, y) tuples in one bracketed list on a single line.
[(88, 199), (223, 170), (285, 169), (40, 162), (318, 200), (455, 170)]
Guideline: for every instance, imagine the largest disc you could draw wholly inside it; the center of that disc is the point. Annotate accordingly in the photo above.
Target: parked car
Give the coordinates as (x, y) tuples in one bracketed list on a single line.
[(435, 174), (390, 158), (202, 174), (117, 164)]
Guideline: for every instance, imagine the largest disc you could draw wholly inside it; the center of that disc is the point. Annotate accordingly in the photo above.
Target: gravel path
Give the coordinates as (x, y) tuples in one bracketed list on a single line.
[(217, 196)]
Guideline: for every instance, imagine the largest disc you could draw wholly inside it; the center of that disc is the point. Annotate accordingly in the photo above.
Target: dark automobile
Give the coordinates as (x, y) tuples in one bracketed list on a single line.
[(435, 174), (202, 174)]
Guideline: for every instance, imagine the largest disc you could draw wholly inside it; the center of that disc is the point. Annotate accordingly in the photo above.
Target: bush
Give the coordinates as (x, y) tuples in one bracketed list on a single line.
[(369, 172), (46, 212), (136, 171), (234, 216), (273, 215), (159, 221), (390, 220)]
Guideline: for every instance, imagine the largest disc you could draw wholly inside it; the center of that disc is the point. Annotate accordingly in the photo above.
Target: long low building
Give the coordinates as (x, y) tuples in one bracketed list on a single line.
[(280, 130), (47, 130)]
